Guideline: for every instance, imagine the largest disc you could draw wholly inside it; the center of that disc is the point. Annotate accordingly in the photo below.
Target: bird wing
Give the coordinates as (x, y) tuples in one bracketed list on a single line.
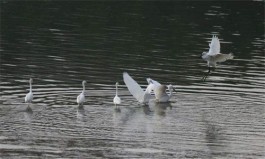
[(117, 100), (222, 57), (214, 46), (29, 97), (134, 88), (80, 98), (155, 82), (152, 85)]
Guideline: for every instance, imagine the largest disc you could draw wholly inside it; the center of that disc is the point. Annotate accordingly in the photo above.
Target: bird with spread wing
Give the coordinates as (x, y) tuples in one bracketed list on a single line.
[(214, 56)]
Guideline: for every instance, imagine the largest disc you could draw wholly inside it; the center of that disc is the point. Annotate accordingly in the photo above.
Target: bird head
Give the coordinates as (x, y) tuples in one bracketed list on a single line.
[(117, 83), (203, 54), (170, 87), (30, 80), (84, 82)]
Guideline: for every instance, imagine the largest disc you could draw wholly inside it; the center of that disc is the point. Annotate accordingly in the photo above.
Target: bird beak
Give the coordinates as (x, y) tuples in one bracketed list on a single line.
[(174, 90)]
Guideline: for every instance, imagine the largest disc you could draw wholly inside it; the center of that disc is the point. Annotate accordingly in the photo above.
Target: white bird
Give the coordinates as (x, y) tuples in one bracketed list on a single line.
[(29, 96), (161, 95), (116, 99), (81, 98), (152, 84), (136, 90), (213, 55)]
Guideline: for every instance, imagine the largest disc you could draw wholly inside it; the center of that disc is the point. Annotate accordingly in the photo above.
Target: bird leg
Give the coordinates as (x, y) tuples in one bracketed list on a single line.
[(28, 108), (80, 106), (207, 74)]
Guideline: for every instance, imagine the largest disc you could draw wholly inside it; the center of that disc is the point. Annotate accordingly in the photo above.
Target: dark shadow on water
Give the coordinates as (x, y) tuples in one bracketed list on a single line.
[(28, 114), (80, 113), (29, 110), (81, 107), (117, 109), (214, 138), (146, 109), (160, 108)]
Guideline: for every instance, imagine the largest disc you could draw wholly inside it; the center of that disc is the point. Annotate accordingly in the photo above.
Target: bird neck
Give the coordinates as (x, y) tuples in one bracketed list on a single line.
[(116, 90), (30, 87), (84, 87)]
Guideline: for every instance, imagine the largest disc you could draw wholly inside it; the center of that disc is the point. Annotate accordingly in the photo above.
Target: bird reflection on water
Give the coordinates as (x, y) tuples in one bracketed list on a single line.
[(160, 108), (80, 113), (146, 109), (28, 113)]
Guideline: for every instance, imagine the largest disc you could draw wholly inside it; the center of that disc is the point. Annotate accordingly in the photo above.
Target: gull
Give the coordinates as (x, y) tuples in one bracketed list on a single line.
[(135, 89), (213, 55), (29, 96), (161, 94), (81, 97)]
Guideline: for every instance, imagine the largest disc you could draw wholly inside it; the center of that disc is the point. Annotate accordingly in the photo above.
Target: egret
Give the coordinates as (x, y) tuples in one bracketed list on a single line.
[(213, 55), (116, 99), (161, 94), (136, 90), (152, 84), (29, 96), (81, 98)]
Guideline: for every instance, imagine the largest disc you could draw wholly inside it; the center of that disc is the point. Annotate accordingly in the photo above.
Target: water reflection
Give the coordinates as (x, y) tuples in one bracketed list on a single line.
[(80, 113), (28, 114), (146, 109), (59, 44), (117, 109), (161, 108), (214, 138)]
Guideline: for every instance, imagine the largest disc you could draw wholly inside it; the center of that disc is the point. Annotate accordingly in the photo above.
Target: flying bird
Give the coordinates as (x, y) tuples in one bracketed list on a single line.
[(213, 56)]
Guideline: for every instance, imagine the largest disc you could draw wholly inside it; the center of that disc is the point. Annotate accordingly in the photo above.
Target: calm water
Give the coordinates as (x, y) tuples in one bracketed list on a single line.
[(60, 44)]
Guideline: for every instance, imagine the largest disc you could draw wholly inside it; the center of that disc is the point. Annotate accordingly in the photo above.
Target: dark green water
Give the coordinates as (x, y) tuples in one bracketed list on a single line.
[(59, 44)]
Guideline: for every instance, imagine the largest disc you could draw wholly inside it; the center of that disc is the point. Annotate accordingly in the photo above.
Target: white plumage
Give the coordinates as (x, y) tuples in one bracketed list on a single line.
[(136, 90), (213, 55), (152, 84), (214, 46), (29, 96), (81, 97), (116, 99)]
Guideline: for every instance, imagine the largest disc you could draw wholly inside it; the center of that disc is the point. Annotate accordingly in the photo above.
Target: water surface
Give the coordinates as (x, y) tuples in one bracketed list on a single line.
[(60, 44)]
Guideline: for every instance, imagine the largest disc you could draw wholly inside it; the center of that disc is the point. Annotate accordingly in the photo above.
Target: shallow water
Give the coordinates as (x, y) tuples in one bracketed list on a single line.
[(59, 45)]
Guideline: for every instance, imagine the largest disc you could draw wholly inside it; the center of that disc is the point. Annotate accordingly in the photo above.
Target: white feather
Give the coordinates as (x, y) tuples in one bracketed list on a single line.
[(135, 89), (214, 46), (81, 97), (214, 55), (152, 84), (221, 57), (116, 99), (29, 96)]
